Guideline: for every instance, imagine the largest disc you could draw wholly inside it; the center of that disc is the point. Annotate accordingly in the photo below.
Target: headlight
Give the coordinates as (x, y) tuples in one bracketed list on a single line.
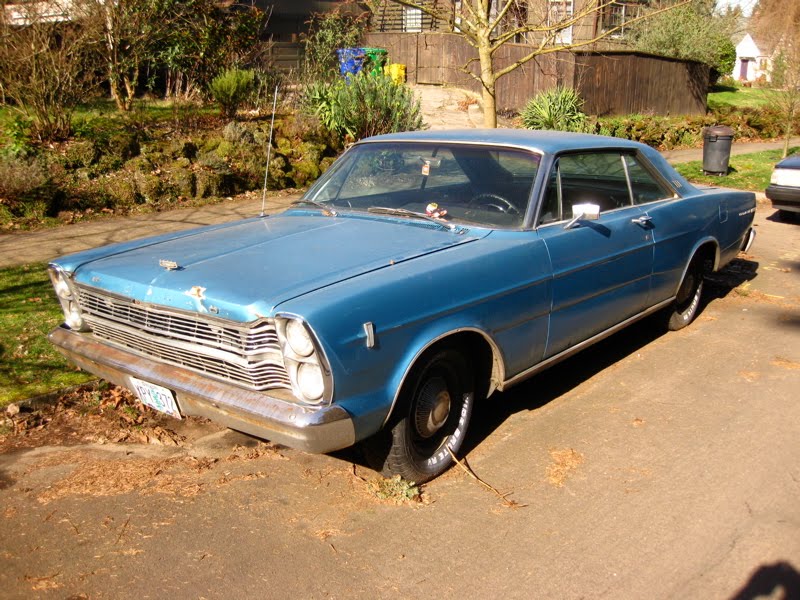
[(298, 338), (73, 317), (68, 299), (304, 360), (310, 381)]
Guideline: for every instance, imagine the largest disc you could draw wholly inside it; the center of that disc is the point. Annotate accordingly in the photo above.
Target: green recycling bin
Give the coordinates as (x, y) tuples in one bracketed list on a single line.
[(375, 59)]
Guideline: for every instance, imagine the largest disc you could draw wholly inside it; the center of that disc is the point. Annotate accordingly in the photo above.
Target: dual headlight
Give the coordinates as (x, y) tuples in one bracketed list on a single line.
[(305, 363), (68, 297)]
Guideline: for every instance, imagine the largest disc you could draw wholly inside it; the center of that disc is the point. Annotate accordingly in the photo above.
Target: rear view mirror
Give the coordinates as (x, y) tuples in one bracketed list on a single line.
[(583, 212), (587, 212)]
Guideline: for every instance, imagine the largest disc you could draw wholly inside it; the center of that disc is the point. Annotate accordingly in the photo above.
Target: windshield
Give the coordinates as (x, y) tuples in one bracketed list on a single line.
[(483, 185)]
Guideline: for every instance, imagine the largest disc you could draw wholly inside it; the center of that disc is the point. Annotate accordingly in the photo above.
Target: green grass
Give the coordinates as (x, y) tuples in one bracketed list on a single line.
[(747, 171), (29, 365), (739, 97)]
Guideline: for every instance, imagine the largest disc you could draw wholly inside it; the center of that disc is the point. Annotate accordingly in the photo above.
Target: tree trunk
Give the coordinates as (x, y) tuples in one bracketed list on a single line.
[(488, 91), (115, 91)]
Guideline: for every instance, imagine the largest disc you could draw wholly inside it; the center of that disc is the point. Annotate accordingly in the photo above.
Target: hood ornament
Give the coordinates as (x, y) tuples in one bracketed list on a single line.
[(169, 265)]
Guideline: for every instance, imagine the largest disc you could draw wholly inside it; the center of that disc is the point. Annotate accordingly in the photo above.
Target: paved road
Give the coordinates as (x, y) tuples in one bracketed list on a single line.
[(44, 245), (650, 466)]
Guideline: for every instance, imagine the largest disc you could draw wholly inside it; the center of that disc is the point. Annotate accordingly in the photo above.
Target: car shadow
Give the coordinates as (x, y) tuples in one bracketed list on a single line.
[(787, 218), (544, 387), (737, 272)]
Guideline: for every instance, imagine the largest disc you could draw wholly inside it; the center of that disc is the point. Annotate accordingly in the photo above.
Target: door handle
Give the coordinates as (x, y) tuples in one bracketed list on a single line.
[(643, 221)]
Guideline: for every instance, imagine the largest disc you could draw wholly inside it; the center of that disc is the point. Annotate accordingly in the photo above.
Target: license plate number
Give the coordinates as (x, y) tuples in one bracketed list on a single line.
[(157, 397)]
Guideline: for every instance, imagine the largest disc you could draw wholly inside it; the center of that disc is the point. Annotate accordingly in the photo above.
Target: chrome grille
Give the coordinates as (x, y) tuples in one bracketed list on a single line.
[(241, 354)]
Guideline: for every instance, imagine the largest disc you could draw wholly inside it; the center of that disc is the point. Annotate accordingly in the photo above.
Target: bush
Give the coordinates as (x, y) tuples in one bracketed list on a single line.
[(27, 189), (558, 108), (327, 33), (231, 89), (364, 105)]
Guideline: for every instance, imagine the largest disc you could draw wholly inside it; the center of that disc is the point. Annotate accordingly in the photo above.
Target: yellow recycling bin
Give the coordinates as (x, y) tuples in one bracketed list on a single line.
[(396, 72)]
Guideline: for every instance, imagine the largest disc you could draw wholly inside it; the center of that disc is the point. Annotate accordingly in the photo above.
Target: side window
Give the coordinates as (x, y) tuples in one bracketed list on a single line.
[(644, 186), (594, 178)]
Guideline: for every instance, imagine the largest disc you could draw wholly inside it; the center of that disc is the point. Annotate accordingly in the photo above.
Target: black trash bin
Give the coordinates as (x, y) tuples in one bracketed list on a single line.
[(717, 142)]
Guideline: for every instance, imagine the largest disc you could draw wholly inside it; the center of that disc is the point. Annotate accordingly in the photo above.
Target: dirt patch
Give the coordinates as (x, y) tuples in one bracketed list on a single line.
[(565, 462), (94, 414), (785, 363)]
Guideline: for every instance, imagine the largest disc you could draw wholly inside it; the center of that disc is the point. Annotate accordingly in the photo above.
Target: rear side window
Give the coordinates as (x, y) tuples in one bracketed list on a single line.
[(644, 186)]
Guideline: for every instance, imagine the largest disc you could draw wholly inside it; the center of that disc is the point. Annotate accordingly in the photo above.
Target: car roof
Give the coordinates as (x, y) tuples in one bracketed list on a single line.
[(538, 141)]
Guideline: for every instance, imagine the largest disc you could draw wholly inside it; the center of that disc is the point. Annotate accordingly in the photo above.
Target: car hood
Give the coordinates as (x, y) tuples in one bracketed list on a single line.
[(243, 271)]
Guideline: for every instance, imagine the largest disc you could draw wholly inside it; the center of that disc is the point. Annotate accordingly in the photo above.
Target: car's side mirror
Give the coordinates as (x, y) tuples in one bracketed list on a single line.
[(583, 212)]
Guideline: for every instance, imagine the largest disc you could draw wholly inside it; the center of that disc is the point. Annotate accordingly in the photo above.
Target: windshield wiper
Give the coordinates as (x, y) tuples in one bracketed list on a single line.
[(403, 212), (326, 209)]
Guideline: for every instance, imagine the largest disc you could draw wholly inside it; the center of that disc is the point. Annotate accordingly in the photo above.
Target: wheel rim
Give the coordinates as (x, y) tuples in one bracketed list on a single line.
[(432, 408)]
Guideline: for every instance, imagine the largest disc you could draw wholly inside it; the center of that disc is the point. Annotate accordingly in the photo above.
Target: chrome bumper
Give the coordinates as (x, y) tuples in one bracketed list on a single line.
[(314, 430)]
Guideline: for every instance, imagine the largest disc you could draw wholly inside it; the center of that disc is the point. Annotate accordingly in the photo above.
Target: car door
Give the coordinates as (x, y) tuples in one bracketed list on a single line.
[(601, 268)]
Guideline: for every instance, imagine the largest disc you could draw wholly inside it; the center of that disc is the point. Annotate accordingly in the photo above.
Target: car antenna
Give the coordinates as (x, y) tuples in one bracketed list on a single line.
[(269, 150)]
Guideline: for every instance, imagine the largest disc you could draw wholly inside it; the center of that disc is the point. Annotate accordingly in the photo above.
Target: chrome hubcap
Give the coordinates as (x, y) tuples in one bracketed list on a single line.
[(433, 408)]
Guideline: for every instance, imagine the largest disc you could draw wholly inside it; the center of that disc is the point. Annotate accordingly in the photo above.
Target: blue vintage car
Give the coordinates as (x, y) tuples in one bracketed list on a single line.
[(422, 272)]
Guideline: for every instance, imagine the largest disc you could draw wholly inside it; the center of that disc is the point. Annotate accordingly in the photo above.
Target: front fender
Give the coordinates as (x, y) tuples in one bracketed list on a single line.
[(497, 288)]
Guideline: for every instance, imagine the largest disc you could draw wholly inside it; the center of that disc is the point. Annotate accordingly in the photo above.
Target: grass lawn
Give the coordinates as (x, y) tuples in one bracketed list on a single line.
[(747, 171), (29, 365), (723, 95)]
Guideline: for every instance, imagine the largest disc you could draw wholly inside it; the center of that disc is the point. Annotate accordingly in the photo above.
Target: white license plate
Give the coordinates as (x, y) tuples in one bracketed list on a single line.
[(157, 397)]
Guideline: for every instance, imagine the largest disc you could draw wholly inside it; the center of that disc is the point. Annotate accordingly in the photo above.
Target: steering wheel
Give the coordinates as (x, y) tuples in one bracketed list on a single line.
[(494, 201)]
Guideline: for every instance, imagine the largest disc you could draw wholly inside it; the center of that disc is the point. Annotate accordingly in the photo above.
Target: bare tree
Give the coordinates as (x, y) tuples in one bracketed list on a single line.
[(778, 24), (487, 25), (127, 32), (46, 65)]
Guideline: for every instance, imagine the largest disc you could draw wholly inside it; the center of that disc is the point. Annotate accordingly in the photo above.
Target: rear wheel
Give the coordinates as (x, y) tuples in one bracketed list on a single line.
[(684, 309), (436, 406)]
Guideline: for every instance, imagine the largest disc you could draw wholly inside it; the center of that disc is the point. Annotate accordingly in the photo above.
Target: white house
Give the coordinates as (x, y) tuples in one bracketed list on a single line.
[(752, 62)]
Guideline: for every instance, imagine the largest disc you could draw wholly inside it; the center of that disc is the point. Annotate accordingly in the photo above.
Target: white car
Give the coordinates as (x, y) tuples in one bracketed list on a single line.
[(784, 187)]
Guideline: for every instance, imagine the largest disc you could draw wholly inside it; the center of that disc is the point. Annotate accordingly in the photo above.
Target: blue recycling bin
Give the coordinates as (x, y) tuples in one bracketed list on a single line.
[(351, 60)]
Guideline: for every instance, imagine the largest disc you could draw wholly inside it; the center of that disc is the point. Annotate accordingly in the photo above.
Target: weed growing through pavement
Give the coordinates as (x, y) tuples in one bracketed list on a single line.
[(395, 489)]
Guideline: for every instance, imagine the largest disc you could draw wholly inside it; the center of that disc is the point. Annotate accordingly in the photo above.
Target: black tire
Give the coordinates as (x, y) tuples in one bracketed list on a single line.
[(687, 302), (434, 411)]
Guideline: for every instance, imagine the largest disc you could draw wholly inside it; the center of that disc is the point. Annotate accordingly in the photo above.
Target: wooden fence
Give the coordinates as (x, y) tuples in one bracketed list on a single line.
[(611, 83)]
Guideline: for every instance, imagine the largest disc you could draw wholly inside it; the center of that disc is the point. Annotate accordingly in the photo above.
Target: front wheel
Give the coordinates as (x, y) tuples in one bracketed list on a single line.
[(687, 302), (436, 405)]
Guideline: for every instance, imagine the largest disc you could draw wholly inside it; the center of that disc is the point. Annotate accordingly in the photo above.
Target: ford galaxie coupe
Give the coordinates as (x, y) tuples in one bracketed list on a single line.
[(422, 272)]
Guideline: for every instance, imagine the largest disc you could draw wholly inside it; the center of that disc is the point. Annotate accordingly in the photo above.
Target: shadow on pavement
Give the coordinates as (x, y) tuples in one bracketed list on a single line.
[(770, 578)]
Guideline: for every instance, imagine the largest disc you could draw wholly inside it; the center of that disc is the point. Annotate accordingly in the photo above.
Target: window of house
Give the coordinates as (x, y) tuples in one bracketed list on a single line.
[(412, 20), (560, 11), (617, 14)]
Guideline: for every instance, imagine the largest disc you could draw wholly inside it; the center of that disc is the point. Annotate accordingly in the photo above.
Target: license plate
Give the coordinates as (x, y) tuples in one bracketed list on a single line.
[(157, 397)]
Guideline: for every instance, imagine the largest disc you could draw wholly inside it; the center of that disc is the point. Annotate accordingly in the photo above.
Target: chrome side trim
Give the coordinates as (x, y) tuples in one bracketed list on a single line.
[(266, 415), (581, 346)]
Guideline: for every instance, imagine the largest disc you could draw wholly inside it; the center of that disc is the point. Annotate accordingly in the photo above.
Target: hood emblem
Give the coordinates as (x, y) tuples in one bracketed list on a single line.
[(169, 265)]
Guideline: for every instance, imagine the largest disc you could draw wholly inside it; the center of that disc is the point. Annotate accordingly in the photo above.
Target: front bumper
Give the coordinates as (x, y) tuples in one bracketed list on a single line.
[(314, 430), (784, 197)]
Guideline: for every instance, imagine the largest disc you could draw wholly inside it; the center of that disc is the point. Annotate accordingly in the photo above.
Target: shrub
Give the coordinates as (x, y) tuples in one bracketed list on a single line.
[(27, 188), (231, 89), (558, 108), (327, 33), (365, 105)]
